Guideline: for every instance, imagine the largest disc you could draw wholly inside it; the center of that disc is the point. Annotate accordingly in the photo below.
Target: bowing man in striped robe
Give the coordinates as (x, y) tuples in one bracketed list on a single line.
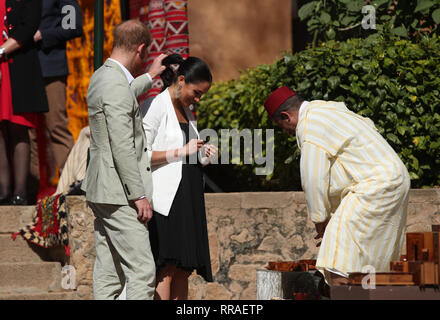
[(355, 185)]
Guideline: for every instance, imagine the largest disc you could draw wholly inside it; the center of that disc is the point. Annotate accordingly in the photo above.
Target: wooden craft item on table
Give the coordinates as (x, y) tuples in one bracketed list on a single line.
[(425, 272), (283, 266), (420, 246), (308, 264), (399, 266), (302, 265), (436, 247), (384, 278), (429, 274)]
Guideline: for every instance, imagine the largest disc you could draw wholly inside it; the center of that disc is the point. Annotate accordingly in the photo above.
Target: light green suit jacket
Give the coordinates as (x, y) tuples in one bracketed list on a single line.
[(119, 168)]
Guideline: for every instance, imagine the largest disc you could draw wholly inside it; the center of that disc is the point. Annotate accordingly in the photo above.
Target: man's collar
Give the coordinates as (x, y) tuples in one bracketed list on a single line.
[(127, 73), (302, 108)]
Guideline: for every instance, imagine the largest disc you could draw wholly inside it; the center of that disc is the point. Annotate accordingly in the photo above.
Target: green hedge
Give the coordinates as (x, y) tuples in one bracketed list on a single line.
[(342, 19), (394, 82)]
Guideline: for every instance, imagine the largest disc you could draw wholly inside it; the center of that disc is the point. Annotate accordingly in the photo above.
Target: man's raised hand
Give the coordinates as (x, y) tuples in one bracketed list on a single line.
[(156, 67)]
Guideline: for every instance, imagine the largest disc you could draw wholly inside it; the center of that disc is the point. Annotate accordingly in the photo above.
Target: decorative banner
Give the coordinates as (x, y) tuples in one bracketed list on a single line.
[(80, 59), (168, 24)]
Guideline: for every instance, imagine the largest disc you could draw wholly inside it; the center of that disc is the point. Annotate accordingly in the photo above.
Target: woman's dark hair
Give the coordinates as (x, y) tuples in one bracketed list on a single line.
[(194, 70)]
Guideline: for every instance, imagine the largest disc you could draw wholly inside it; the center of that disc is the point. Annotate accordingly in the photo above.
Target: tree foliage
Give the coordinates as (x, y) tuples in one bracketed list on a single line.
[(342, 19), (391, 80)]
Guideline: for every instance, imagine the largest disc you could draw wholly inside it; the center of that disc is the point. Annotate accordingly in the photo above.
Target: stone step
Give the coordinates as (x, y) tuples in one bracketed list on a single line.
[(42, 276), (13, 218), (20, 250), (39, 296)]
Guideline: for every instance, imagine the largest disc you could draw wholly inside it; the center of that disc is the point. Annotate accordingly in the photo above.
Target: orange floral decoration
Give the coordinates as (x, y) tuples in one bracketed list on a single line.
[(80, 52)]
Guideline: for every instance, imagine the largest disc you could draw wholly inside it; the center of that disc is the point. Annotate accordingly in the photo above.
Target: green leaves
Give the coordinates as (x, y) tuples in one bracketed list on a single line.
[(307, 10), (424, 5), (333, 82), (325, 18), (436, 16), (355, 5), (342, 19), (393, 81), (400, 31)]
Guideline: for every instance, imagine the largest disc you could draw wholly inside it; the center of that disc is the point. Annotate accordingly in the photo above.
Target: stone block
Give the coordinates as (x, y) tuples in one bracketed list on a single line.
[(250, 293), (244, 272), (40, 296), (244, 236), (272, 242), (41, 276), (424, 196), (82, 244), (196, 287), (261, 258), (20, 250), (216, 291), (214, 249), (13, 218), (223, 200), (259, 200), (421, 216)]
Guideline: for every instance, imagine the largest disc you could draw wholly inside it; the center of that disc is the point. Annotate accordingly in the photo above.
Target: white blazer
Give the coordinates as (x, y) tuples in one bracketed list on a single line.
[(164, 133)]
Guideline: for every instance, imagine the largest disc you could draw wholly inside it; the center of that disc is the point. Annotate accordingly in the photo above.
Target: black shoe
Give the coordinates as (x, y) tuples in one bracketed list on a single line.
[(18, 201)]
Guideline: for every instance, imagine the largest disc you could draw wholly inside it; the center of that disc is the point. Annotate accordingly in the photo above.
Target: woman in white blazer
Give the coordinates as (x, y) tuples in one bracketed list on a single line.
[(178, 229)]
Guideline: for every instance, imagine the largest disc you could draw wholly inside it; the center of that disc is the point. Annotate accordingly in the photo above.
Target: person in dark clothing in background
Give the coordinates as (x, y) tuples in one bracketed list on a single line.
[(61, 20), (22, 94)]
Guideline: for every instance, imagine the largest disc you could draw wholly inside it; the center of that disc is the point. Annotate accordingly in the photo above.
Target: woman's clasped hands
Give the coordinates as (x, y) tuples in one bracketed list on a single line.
[(210, 151), (211, 154)]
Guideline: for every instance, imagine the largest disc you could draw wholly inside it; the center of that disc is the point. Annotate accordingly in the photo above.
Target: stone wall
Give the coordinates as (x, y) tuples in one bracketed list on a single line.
[(233, 35), (246, 230), (82, 244)]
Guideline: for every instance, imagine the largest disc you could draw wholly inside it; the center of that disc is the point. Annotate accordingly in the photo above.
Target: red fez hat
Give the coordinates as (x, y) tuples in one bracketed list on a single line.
[(277, 98)]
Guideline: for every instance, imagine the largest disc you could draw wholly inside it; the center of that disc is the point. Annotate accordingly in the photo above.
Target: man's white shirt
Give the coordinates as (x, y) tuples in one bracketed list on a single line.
[(129, 76)]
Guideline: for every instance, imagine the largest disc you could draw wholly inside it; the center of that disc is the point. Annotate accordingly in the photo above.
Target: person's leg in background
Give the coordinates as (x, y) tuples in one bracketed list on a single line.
[(58, 138), (5, 176), (34, 170), (57, 122), (19, 137)]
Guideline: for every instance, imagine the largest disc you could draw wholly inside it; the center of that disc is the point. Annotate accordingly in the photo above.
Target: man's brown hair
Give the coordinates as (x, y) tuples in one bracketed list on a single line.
[(129, 34)]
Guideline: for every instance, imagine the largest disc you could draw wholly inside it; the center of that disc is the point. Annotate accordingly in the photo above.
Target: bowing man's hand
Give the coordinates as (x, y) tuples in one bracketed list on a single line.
[(156, 67), (320, 229), (145, 212)]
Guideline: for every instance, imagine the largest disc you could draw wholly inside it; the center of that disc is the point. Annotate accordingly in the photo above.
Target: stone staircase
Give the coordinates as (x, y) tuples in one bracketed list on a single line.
[(27, 271)]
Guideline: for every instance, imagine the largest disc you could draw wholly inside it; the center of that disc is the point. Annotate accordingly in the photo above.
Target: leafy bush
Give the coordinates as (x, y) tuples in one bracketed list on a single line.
[(342, 19), (394, 82)]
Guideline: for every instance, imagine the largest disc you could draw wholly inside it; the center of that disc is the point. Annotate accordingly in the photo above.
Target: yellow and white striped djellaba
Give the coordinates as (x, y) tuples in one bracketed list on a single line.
[(350, 174)]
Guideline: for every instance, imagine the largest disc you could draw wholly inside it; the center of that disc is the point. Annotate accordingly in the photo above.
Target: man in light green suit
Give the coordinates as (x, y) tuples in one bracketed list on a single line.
[(118, 182)]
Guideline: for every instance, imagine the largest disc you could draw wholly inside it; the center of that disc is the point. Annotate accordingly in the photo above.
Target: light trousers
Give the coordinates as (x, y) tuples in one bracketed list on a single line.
[(123, 254)]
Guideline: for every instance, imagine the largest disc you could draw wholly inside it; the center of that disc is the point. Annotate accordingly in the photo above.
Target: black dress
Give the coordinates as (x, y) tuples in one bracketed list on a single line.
[(181, 238)]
